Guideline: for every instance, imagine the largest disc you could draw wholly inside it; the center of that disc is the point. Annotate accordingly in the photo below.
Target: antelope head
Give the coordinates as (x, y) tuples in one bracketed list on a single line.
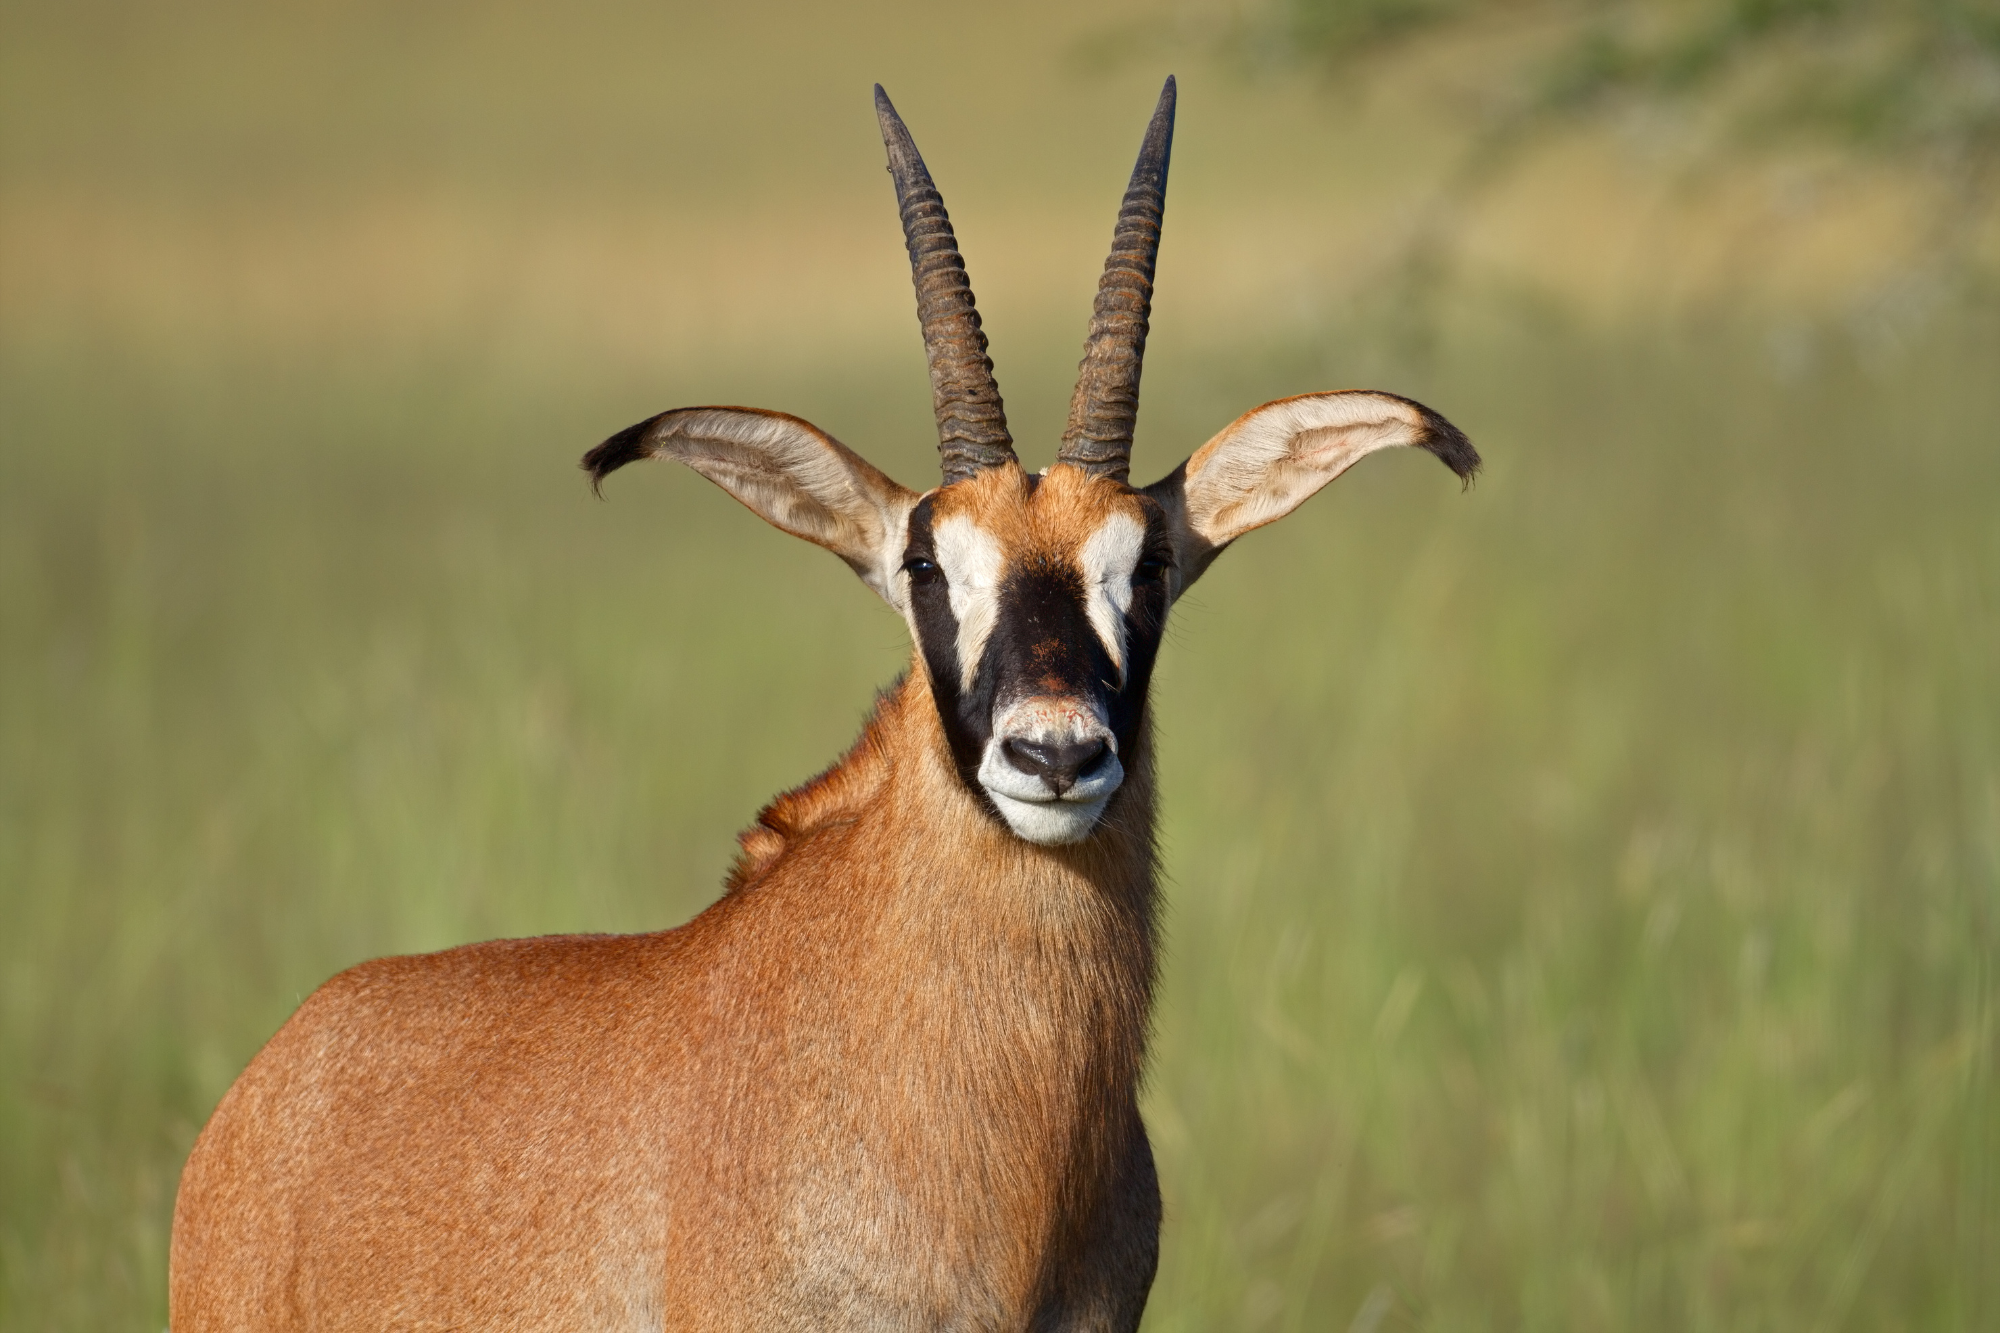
[(1036, 600)]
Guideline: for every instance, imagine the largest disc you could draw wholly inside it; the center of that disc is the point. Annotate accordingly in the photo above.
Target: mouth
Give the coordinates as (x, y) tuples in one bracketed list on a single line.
[(1036, 811)]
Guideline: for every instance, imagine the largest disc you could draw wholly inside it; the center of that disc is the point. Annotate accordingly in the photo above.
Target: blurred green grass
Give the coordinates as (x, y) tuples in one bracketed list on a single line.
[(1584, 899)]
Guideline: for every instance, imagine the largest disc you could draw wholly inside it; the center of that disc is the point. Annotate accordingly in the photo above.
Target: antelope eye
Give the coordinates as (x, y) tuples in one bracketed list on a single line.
[(921, 570), (1150, 570)]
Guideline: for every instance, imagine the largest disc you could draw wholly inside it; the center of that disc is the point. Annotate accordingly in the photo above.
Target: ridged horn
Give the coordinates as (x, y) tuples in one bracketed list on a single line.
[(971, 420), (1105, 406)]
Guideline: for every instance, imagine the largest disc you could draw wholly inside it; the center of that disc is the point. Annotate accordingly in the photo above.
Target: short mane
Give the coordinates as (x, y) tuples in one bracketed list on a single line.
[(834, 796)]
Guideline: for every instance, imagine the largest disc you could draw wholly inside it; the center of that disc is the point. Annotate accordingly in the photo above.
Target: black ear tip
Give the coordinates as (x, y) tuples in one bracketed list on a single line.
[(1448, 442), (627, 446)]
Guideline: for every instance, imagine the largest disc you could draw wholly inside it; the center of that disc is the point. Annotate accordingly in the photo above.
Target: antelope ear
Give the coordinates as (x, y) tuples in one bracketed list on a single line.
[(1270, 460), (788, 472)]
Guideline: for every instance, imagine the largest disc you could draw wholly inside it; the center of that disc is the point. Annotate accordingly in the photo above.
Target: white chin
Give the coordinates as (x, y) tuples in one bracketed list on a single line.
[(1050, 823)]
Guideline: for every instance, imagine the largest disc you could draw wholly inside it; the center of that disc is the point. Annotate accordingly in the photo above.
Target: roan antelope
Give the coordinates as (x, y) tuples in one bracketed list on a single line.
[(888, 1080)]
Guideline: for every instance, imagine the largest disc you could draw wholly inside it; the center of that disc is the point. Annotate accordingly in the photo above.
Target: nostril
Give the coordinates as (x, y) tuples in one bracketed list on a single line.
[(1057, 765), (1032, 759), (1093, 757)]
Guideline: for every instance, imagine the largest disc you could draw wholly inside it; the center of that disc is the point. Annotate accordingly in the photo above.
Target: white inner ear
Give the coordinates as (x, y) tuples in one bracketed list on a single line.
[(798, 478), (971, 561), (1107, 560), (1269, 461)]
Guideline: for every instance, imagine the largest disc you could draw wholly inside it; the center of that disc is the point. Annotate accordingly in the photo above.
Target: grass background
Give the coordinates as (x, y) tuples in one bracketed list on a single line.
[(1584, 892)]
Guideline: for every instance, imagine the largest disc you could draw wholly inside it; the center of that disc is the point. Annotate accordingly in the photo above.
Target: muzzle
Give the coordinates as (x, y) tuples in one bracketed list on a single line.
[(1050, 767)]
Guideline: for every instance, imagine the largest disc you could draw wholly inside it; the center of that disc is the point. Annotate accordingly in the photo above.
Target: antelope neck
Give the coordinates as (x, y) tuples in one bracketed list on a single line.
[(973, 955), (954, 872)]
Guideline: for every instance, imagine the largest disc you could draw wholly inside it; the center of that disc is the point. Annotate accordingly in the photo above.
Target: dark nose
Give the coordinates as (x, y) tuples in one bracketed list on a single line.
[(1057, 765)]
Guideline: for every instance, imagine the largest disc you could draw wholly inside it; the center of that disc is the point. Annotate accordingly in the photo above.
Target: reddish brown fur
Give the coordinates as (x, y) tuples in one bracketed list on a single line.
[(888, 1080), (1048, 520)]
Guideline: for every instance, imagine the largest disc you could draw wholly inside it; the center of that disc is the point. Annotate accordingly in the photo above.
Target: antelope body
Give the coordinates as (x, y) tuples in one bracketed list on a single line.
[(888, 1080)]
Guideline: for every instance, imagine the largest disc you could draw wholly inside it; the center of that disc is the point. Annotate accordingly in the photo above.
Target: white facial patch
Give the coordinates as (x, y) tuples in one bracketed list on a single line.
[(971, 561), (1107, 559), (1031, 807)]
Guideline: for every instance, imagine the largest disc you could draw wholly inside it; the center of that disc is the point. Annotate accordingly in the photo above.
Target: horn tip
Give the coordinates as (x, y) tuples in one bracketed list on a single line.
[(895, 135), (885, 111)]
